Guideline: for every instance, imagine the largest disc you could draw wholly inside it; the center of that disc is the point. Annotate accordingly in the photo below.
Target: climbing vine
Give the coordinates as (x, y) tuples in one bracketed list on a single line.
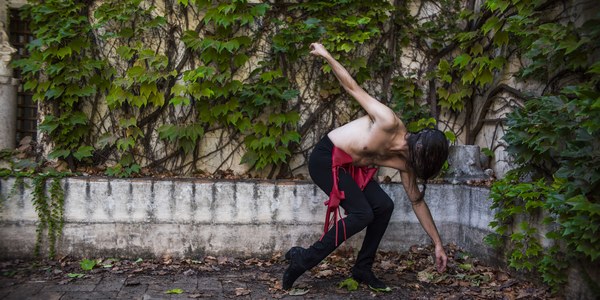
[(553, 137), (47, 195), (134, 87), (62, 74), (49, 205)]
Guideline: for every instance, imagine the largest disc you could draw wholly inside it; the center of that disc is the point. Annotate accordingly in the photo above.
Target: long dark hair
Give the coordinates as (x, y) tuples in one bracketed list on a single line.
[(428, 150)]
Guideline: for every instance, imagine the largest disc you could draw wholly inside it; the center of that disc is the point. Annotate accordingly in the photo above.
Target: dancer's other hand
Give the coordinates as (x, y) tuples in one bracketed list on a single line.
[(440, 258)]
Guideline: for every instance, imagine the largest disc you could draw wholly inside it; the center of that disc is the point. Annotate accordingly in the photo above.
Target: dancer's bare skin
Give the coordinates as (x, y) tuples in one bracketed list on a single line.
[(379, 138)]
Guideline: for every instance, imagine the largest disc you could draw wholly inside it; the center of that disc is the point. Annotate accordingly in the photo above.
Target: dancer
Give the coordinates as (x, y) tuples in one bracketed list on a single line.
[(341, 164)]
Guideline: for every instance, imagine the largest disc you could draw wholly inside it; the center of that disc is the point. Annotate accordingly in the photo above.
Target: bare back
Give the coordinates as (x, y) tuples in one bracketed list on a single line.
[(368, 144)]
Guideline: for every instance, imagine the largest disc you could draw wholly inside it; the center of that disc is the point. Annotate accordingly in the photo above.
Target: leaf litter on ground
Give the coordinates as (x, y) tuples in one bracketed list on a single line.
[(410, 274)]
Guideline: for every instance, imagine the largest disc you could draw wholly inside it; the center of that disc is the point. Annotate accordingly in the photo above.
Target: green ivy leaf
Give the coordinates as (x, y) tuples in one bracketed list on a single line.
[(54, 92), (346, 47), (75, 275), (443, 66), (500, 38), (136, 71), (30, 85), (63, 52), (476, 49), (595, 68), (240, 59), (125, 52), (87, 264), (58, 153), (269, 76), (450, 136), (147, 89), (179, 101), (569, 44), (501, 5), (462, 60), (484, 77), (127, 122), (174, 291), (498, 63), (491, 23), (83, 152), (311, 22), (250, 158), (349, 284), (125, 144), (259, 9)]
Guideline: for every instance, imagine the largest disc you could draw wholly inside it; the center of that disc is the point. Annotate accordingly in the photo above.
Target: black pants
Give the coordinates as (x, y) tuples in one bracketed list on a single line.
[(370, 208)]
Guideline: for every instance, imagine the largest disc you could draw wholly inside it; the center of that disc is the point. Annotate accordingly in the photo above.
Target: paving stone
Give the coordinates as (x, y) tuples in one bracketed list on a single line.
[(69, 288), (7, 282), (48, 295), (24, 291), (206, 294), (168, 284), (36, 296), (209, 284), (133, 291), (154, 294), (230, 286), (110, 284), (260, 291), (186, 280), (89, 295), (144, 279)]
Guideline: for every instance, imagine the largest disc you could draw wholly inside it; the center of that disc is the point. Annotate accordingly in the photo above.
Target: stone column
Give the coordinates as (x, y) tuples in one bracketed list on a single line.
[(464, 164), (8, 94)]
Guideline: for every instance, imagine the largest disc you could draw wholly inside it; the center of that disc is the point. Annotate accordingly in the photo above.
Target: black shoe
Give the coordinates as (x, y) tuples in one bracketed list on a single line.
[(368, 278), (295, 269)]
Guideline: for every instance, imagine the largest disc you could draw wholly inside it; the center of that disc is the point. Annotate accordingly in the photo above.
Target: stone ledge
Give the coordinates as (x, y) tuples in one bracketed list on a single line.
[(184, 217)]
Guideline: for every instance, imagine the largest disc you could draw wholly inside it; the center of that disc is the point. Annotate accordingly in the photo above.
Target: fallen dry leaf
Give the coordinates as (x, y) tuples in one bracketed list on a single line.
[(324, 273), (426, 275), (242, 291), (387, 265), (298, 292)]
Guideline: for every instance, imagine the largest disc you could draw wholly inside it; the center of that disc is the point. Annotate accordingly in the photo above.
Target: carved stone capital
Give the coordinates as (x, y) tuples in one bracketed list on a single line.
[(6, 52)]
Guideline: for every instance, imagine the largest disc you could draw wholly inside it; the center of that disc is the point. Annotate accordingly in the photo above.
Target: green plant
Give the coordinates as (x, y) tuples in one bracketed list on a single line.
[(174, 291), (50, 210), (234, 77), (88, 264), (62, 74), (554, 140), (350, 284), (47, 197), (75, 275)]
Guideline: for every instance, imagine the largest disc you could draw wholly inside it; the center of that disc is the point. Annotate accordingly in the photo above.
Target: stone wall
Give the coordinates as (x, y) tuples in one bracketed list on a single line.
[(187, 218)]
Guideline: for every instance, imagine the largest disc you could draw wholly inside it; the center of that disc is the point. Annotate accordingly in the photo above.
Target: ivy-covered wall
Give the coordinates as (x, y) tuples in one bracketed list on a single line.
[(198, 87)]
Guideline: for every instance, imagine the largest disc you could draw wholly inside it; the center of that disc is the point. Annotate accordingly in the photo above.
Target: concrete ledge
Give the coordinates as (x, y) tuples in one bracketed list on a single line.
[(183, 218)]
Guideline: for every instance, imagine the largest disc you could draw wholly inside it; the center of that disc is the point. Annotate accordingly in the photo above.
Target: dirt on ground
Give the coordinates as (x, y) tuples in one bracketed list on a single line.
[(410, 274)]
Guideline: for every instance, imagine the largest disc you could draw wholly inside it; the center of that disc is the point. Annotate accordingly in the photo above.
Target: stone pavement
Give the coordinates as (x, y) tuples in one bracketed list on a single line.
[(409, 274), (239, 284), (134, 287)]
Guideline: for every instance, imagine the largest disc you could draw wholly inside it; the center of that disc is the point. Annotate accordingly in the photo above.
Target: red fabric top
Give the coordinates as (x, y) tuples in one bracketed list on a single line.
[(361, 175)]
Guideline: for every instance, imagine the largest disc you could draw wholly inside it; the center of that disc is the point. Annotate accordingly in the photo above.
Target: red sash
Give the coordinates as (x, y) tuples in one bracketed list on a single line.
[(361, 175)]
